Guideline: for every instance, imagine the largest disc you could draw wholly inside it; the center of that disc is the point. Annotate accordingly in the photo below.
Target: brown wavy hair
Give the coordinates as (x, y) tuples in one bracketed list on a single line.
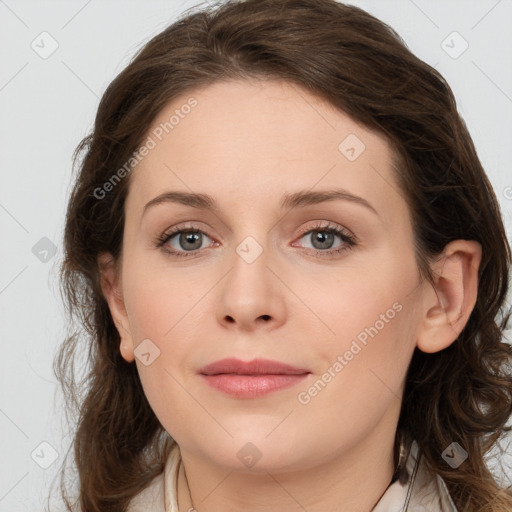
[(361, 66)]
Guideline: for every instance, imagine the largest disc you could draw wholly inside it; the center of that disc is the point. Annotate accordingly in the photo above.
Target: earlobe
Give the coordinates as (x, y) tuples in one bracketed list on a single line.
[(448, 305), (112, 291)]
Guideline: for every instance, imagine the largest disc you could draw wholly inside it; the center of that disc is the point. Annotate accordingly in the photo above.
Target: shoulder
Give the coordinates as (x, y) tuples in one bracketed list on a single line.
[(151, 498), (428, 492), (160, 495), (424, 491)]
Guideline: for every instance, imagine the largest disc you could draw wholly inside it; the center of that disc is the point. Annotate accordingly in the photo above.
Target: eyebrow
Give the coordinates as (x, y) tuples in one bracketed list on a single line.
[(293, 200)]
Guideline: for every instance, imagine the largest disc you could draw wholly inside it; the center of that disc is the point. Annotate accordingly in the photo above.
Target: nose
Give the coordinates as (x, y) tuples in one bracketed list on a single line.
[(251, 296)]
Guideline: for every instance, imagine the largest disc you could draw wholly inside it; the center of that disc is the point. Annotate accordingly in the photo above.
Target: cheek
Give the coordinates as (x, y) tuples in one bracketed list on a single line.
[(362, 371), (164, 307), (158, 299), (373, 318), (366, 305)]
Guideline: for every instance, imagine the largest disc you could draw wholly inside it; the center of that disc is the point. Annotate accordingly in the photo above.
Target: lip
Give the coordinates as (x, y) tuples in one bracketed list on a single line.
[(251, 379)]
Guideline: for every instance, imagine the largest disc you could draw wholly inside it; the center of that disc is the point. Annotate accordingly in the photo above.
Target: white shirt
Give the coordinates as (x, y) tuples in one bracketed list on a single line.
[(423, 492)]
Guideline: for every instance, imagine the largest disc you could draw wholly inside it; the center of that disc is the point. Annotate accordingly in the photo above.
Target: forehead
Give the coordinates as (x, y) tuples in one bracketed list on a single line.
[(258, 139)]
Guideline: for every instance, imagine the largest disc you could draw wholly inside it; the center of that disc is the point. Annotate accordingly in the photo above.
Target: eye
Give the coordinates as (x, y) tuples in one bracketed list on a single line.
[(322, 237), (186, 241)]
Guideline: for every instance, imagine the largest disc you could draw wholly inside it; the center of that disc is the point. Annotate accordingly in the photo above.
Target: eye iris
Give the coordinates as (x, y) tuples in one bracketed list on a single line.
[(191, 237), (324, 237)]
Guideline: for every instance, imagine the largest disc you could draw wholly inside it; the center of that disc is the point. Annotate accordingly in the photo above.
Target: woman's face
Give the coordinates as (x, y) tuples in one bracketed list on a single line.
[(264, 275)]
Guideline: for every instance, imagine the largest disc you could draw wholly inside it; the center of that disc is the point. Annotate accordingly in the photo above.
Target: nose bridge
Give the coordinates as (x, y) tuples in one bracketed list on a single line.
[(250, 273), (250, 294)]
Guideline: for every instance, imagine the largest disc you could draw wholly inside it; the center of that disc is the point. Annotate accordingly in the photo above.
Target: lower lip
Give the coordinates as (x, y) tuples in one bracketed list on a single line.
[(252, 386)]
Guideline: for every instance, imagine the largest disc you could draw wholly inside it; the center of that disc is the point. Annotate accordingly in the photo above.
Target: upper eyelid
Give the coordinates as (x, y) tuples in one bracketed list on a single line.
[(319, 225)]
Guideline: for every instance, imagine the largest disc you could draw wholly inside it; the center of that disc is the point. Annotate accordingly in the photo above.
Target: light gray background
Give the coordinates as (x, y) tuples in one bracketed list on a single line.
[(48, 104)]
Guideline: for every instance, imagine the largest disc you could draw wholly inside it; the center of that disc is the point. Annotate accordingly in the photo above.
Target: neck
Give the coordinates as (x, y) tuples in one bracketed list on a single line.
[(353, 480)]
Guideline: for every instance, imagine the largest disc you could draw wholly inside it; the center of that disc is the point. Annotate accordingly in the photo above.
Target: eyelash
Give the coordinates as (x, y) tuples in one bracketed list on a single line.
[(350, 240)]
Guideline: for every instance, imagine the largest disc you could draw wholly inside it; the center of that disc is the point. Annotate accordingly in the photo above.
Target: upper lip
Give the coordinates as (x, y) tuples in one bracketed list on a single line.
[(254, 367)]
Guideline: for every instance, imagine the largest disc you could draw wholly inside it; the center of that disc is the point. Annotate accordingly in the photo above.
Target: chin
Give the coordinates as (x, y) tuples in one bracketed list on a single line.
[(257, 452)]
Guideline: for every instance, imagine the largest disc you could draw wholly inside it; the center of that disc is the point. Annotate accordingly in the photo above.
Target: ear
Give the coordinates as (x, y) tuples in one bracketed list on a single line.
[(110, 278), (448, 305)]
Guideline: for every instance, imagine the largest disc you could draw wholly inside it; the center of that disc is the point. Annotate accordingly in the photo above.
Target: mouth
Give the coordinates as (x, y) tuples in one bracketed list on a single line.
[(251, 379)]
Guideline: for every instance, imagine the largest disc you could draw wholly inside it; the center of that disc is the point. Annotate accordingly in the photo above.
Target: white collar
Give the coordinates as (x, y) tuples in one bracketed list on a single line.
[(422, 492)]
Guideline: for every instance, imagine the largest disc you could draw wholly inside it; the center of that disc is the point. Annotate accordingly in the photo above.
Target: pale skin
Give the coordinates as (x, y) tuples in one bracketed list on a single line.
[(246, 144)]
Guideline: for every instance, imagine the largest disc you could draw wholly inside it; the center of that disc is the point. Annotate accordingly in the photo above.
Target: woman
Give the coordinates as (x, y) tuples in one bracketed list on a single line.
[(332, 337)]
